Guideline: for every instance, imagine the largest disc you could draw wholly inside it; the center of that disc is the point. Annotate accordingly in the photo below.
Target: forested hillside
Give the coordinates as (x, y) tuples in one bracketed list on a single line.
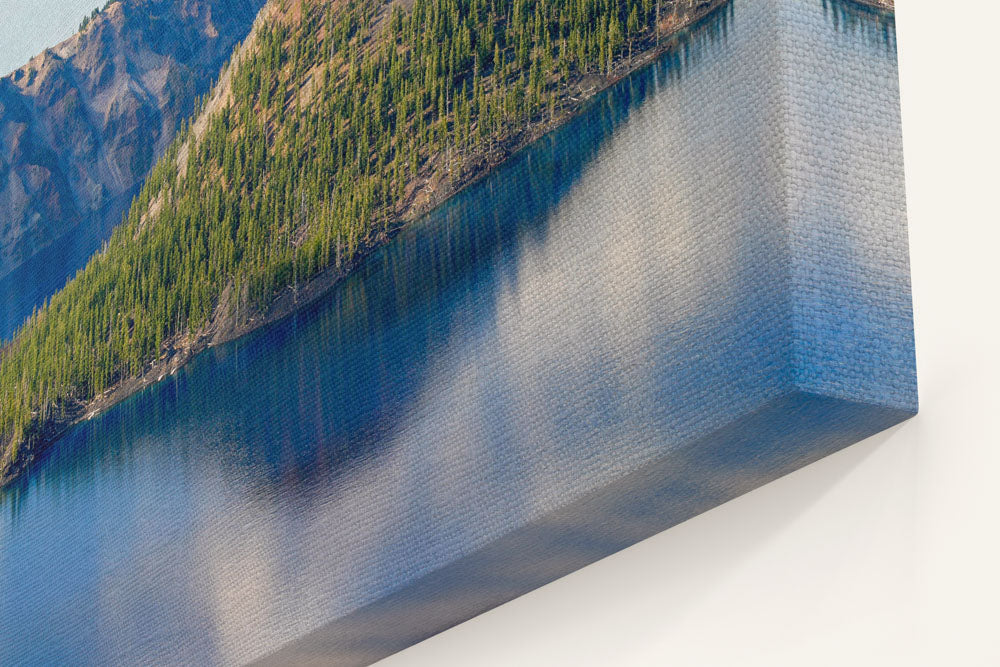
[(82, 123), (341, 120)]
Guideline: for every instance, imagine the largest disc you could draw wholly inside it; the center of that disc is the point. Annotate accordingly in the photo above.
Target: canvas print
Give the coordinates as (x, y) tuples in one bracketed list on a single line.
[(327, 325)]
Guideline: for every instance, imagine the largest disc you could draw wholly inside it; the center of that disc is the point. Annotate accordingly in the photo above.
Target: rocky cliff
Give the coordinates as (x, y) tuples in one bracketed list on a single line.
[(82, 123)]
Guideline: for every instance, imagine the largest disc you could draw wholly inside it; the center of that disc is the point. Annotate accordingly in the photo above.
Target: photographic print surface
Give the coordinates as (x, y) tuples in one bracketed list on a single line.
[(351, 372)]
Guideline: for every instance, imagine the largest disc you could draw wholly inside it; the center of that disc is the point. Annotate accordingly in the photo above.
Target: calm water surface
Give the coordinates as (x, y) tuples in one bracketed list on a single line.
[(558, 310)]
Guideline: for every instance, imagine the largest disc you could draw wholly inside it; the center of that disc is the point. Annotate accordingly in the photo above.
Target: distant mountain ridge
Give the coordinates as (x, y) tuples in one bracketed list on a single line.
[(82, 123)]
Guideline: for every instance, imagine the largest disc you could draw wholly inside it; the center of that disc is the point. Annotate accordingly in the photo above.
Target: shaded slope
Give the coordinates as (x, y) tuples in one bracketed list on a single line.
[(82, 123)]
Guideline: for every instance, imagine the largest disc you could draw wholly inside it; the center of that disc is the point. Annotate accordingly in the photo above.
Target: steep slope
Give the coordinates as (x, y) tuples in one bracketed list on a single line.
[(82, 123), (337, 122)]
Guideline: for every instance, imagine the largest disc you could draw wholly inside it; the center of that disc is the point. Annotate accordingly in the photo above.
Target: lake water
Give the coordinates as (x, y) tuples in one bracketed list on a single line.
[(567, 308)]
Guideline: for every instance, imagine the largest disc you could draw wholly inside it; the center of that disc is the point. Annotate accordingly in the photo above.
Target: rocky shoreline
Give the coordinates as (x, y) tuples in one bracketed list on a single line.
[(428, 192)]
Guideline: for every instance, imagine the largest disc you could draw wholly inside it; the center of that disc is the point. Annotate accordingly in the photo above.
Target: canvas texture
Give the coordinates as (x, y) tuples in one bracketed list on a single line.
[(696, 284)]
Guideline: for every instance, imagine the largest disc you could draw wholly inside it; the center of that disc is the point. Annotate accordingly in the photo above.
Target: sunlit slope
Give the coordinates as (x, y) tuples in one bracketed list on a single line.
[(83, 122)]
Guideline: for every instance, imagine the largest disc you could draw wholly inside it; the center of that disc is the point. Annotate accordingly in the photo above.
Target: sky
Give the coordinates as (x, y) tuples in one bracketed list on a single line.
[(28, 27)]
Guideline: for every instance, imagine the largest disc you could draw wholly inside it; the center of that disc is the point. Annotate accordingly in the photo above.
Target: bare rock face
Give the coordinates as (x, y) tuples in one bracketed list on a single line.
[(82, 123)]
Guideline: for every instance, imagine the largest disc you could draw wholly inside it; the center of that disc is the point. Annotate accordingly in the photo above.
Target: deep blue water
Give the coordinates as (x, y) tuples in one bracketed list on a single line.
[(567, 308)]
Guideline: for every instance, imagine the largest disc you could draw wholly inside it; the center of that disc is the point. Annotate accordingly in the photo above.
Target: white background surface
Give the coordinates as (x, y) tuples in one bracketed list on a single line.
[(887, 553)]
